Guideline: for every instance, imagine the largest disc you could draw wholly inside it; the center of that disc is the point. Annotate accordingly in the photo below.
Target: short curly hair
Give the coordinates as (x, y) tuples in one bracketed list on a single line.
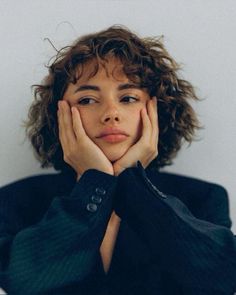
[(143, 59)]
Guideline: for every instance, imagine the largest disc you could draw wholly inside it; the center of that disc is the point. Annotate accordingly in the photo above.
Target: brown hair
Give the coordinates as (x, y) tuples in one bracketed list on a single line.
[(145, 59)]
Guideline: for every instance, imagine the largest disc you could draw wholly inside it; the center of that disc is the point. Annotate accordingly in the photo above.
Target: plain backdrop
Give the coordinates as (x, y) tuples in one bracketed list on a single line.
[(199, 34)]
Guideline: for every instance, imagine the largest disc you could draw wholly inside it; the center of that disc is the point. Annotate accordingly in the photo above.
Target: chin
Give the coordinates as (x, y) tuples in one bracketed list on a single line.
[(114, 155), (115, 151)]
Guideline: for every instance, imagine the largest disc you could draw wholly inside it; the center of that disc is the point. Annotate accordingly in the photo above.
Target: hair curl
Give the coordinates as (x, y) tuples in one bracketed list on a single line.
[(143, 59)]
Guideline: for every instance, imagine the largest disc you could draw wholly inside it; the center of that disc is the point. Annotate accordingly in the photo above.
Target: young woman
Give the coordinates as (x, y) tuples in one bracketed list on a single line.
[(109, 114)]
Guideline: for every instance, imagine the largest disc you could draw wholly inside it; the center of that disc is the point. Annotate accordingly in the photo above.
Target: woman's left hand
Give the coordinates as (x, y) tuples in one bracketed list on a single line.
[(146, 149)]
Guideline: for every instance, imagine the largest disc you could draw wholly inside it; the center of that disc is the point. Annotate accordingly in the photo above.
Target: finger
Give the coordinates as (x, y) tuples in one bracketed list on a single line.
[(152, 111), (59, 123), (151, 129), (154, 118), (77, 123), (147, 127), (67, 132), (60, 127)]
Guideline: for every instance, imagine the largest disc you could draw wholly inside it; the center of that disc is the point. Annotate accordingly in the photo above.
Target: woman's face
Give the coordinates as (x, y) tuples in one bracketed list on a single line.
[(109, 100)]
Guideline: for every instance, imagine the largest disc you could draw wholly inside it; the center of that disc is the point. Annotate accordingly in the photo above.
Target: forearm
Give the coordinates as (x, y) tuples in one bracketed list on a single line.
[(189, 248), (62, 247)]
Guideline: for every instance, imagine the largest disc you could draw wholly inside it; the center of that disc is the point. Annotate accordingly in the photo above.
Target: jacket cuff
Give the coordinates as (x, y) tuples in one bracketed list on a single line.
[(94, 189), (128, 177)]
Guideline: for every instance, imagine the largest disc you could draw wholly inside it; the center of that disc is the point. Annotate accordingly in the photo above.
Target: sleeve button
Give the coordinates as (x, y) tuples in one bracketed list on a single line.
[(100, 191), (92, 207), (96, 199)]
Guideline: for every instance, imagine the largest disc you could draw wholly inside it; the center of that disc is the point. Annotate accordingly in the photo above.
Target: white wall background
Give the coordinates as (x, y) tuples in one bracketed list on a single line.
[(200, 34)]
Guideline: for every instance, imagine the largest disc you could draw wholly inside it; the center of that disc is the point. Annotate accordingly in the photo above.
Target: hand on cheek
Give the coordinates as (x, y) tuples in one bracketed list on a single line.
[(79, 151), (146, 149)]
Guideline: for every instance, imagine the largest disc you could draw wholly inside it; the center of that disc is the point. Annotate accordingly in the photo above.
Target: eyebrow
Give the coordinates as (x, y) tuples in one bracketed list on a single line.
[(96, 88)]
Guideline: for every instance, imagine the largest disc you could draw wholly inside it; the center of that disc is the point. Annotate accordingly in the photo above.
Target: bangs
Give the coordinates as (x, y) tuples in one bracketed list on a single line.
[(90, 67)]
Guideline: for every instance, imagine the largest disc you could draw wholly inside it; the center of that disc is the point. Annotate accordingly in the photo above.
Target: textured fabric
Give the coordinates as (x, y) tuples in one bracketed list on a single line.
[(174, 236)]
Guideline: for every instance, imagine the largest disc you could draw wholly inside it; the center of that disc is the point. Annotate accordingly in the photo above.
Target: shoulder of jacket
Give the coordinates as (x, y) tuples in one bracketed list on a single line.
[(184, 180), (27, 182)]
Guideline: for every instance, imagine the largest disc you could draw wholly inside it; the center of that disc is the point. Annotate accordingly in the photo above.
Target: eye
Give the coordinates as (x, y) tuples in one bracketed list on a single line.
[(129, 97), (125, 99), (85, 100)]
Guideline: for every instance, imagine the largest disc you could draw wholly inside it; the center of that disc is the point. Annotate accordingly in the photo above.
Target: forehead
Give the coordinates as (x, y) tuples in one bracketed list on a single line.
[(110, 68)]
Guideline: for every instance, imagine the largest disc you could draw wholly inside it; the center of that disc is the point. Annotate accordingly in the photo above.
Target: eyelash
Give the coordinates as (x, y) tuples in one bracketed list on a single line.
[(86, 98)]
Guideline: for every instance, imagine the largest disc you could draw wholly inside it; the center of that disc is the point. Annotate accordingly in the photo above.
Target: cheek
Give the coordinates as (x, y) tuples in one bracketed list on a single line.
[(137, 118)]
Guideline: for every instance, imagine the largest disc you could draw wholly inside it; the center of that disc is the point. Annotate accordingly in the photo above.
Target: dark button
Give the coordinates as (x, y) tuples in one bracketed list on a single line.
[(100, 191), (96, 199), (92, 207)]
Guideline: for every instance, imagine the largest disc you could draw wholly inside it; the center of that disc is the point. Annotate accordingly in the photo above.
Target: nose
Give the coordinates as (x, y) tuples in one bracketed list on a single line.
[(111, 114)]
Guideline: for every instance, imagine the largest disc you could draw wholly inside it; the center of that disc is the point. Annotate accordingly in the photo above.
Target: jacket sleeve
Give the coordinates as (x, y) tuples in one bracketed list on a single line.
[(200, 255), (61, 249)]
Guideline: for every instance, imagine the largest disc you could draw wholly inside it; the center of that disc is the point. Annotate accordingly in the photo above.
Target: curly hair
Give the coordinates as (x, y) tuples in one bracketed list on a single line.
[(143, 59)]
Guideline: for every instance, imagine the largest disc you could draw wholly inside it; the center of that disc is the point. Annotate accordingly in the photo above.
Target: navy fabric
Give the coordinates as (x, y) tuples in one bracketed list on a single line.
[(174, 236)]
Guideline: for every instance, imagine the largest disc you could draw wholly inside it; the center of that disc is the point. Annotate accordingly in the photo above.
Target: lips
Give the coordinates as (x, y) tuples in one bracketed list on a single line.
[(113, 135), (112, 131), (114, 138)]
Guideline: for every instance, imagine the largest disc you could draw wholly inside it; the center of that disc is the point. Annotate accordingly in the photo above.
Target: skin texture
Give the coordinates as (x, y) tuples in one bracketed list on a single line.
[(109, 107), (83, 115)]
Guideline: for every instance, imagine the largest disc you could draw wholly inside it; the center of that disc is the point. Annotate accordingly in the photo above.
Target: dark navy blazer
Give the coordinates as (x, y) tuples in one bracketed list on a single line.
[(174, 236)]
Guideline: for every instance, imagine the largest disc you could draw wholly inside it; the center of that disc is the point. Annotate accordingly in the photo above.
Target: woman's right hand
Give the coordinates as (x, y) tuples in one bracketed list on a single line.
[(79, 151)]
